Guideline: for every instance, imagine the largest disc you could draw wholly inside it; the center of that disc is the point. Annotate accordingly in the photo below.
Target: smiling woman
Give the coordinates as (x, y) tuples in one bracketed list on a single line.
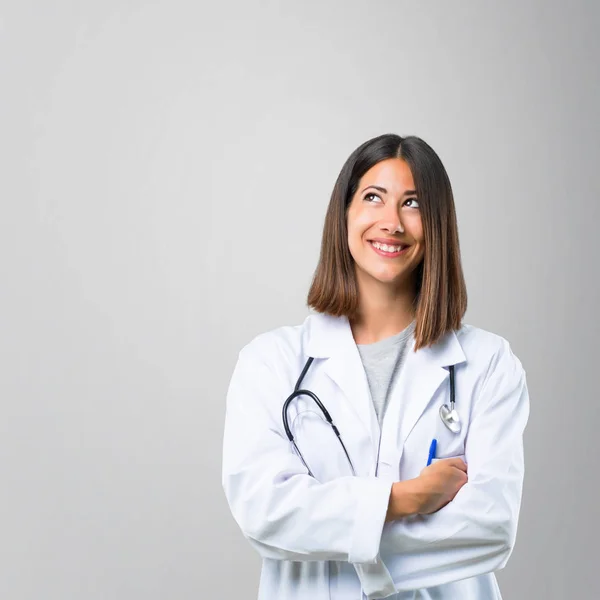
[(375, 200), (342, 463)]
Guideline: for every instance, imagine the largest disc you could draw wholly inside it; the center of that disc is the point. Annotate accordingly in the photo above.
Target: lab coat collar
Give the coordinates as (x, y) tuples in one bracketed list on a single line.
[(422, 374), (328, 336)]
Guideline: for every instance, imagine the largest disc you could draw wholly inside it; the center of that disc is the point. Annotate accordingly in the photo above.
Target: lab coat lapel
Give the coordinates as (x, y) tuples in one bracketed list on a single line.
[(422, 374), (331, 338), (346, 370)]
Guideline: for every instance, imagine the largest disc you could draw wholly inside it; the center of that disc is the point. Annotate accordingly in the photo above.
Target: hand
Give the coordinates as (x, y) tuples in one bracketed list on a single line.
[(438, 484)]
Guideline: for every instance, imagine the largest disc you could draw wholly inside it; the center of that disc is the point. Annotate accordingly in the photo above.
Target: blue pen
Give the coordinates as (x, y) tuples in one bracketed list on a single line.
[(432, 451)]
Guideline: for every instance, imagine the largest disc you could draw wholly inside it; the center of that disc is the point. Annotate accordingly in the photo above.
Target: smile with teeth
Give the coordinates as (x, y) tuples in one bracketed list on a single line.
[(386, 248)]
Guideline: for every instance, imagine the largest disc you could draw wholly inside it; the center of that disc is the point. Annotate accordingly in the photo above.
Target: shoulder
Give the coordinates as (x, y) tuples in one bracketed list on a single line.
[(283, 343), (487, 350), (273, 357), (473, 338)]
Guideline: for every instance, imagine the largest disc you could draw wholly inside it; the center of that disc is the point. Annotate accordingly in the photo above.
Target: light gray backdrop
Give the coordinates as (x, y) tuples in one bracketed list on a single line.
[(166, 168)]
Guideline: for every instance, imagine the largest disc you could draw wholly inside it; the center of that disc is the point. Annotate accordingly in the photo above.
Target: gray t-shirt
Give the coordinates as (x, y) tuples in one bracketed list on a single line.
[(382, 362)]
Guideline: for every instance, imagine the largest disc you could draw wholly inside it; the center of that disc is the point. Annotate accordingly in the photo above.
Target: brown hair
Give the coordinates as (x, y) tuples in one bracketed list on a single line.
[(441, 295)]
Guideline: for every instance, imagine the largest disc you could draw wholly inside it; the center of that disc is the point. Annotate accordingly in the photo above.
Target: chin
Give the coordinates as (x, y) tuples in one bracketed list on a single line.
[(387, 278)]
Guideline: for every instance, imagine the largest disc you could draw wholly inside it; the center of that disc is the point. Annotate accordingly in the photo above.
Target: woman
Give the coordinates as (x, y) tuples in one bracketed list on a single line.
[(390, 513)]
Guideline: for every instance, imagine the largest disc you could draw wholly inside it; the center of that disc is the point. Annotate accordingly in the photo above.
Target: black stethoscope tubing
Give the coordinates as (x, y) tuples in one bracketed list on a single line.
[(300, 392)]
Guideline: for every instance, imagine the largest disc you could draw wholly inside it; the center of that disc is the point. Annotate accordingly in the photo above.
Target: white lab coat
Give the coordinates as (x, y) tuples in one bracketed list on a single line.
[(325, 537)]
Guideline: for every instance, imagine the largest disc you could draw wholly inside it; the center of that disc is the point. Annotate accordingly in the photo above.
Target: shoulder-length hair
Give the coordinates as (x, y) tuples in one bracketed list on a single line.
[(441, 294)]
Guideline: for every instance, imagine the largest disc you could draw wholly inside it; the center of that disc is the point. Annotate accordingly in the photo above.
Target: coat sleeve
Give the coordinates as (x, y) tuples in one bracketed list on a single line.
[(475, 533), (285, 513)]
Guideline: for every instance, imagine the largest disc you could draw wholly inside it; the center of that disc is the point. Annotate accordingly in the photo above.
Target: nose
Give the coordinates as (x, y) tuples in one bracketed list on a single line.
[(391, 222)]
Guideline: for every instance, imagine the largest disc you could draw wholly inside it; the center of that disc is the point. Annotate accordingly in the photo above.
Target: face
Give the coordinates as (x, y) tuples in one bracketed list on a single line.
[(384, 213)]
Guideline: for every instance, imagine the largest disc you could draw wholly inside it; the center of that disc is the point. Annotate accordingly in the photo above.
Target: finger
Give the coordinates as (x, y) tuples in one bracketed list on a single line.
[(463, 477), (442, 506), (459, 463)]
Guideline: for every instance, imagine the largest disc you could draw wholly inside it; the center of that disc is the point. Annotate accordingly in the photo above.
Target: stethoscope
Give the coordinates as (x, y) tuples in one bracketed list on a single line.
[(448, 414)]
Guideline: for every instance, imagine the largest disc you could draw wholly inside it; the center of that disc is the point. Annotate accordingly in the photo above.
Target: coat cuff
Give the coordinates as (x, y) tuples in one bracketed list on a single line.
[(371, 509)]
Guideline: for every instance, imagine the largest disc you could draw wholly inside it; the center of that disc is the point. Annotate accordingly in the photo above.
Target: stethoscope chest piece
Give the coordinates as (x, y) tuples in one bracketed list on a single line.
[(450, 418)]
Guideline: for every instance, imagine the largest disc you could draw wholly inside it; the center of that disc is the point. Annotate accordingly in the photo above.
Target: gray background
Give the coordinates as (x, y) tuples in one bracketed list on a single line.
[(166, 170)]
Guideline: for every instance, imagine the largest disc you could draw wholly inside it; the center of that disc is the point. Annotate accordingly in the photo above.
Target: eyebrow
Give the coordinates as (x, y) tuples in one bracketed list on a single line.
[(382, 189)]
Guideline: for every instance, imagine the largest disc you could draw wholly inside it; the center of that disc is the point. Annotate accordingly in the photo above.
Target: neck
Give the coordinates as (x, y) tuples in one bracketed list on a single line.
[(383, 312)]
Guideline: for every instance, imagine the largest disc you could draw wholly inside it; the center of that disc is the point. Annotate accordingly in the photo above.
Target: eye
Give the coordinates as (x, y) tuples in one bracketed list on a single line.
[(415, 203), (371, 195)]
